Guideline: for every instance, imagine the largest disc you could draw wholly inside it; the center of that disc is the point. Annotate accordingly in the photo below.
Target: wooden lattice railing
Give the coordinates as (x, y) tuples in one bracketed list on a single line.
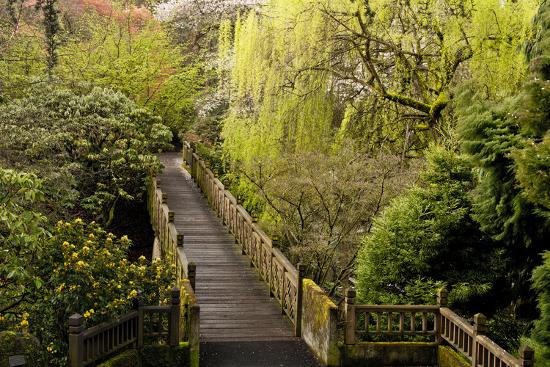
[(166, 325), (430, 320), (169, 240), (283, 279)]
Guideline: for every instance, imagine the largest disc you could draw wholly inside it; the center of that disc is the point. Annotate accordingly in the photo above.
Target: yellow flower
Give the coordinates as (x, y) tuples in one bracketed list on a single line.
[(133, 293), (24, 323), (89, 313), (74, 255), (91, 236), (80, 264), (78, 221)]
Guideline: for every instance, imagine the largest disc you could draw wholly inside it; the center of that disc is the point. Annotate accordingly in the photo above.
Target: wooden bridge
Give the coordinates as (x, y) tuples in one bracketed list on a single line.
[(235, 305)]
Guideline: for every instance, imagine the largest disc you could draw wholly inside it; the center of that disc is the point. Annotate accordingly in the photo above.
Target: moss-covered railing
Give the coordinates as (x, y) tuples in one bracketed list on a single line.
[(442, 325)]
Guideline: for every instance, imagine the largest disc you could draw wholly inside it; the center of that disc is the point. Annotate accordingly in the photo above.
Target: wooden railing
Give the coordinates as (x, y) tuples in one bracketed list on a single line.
[(432, 320), (146, 325), (283, 279), (170, 241)]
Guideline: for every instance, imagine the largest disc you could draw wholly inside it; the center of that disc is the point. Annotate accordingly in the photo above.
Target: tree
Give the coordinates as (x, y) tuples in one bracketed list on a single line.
[(427, 238), (92, 150), (380, 72), (508, 144), (132, 53), (321, 204), (22, 230)]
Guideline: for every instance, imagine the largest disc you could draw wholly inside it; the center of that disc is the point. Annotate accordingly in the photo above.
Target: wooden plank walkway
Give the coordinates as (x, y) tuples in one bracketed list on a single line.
[(234, 304)]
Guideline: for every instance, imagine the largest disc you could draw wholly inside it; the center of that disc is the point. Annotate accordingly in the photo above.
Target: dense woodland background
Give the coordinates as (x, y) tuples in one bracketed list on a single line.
[(403, 144)]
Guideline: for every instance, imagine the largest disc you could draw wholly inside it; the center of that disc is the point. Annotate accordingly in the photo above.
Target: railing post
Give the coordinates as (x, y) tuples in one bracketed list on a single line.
[(480, 328), (171, 216), (76, 342), (164, 198), (174, 329), (299, 299), (349, 335), (192, 274), (180, 240), (442, 298), (526, 356)]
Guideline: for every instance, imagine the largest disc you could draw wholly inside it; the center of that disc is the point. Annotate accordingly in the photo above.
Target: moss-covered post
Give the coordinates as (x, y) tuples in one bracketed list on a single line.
[(175, 310), (192, 274), (480, 328), (526, 356), (76, 342), (299, 300), (442, 297), (349, 335)]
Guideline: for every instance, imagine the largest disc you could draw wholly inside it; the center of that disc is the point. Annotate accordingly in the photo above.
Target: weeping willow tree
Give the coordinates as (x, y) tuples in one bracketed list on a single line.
[(278, 103), (306, 74)]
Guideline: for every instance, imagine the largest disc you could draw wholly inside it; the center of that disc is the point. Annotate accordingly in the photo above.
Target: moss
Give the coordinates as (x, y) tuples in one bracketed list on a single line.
[(448, 357), (12, 343), (390, 354), (152, 356), (162, 355), (319, 323), (129, 358)]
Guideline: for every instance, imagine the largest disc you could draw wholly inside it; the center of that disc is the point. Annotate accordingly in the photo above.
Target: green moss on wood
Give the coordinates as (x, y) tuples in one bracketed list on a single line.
[(129, 358), (448, 357)]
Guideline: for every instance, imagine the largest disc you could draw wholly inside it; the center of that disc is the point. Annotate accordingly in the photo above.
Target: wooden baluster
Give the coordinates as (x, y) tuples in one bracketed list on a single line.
[(390, 326), (401, 322), (424, 322), (413, 321), (367, 322), (349, 335)]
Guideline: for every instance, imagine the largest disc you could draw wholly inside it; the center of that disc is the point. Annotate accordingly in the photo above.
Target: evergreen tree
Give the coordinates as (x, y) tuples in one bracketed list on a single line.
[(509, 143), (427, 238)]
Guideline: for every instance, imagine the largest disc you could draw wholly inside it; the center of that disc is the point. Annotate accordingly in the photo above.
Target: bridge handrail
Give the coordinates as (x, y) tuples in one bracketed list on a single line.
[(436, 320), (171, 247), (273, 267), (88, 345)]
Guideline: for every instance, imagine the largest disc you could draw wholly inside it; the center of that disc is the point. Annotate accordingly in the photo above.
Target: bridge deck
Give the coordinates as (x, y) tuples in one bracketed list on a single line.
[(235, 304)]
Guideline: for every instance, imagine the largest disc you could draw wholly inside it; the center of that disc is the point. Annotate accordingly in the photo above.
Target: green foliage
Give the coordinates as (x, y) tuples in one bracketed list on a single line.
[(12, 343), (87, 272), (509, 143), (541, 332), (129, 358), (22, 230), (92, 150), (320, 204), (304, 74), (427, 238), (136, 57)]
